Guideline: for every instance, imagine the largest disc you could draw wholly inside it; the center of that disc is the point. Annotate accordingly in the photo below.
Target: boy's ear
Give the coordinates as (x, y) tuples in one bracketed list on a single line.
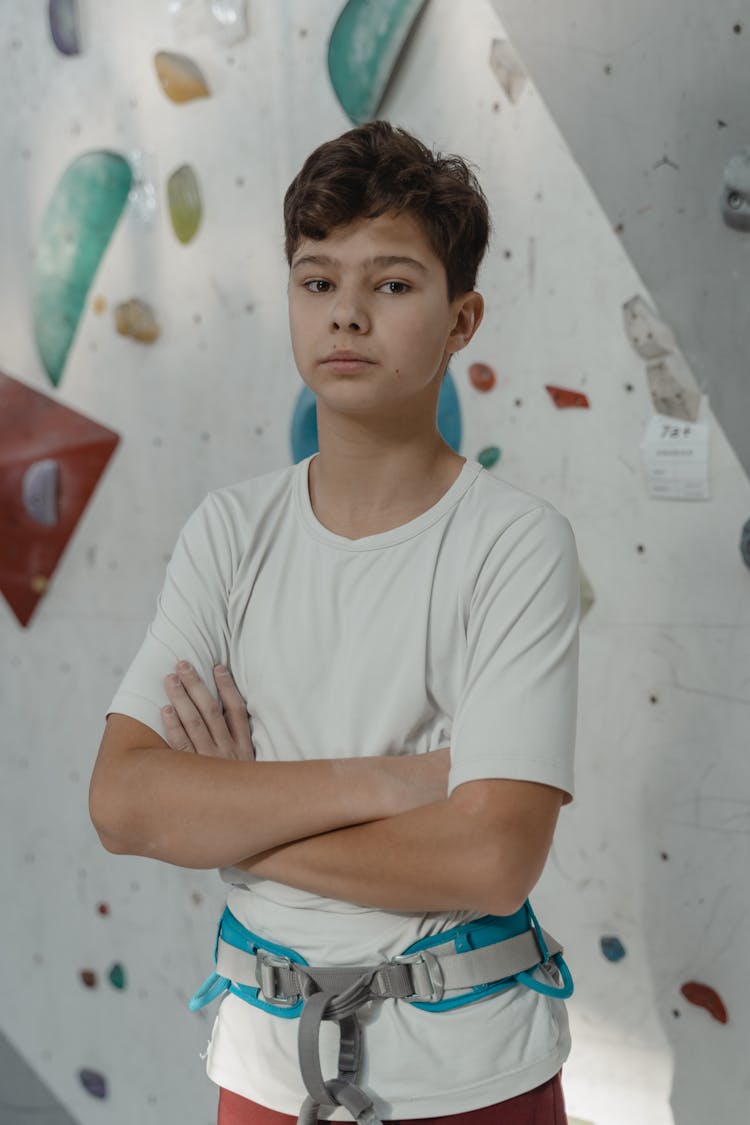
[(468, 318)]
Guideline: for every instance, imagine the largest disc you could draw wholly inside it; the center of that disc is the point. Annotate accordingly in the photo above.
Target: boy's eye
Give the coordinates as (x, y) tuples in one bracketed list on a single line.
[(321, 281), (401, 283)]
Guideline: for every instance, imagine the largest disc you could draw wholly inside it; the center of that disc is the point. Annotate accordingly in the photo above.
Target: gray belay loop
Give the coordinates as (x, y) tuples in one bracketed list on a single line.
[(341, 1090)]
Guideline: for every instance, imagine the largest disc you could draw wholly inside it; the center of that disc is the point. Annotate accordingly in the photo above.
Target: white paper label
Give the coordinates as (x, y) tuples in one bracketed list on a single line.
[(675, 459)]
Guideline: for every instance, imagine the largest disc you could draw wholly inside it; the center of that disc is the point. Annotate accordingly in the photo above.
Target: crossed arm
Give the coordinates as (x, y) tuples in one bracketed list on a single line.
[(483, 848)]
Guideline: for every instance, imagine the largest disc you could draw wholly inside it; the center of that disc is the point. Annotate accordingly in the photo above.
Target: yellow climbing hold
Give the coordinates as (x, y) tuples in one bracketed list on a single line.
[(181, 79), (184, 198)]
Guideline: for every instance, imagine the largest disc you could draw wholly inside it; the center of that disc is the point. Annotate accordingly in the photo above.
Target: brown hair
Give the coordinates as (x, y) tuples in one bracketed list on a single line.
[(377, 168)]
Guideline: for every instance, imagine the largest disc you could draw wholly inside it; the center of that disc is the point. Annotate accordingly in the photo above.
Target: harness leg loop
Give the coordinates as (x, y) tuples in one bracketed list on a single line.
[(342, 1090)]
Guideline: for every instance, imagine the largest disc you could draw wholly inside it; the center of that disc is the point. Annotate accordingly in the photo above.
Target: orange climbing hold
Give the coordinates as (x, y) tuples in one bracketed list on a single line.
[(562, 397), (704, 997), (482, 376)]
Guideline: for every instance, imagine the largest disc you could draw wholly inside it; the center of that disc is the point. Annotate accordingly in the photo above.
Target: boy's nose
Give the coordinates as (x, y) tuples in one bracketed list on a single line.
[(348, 312), (356, 319)]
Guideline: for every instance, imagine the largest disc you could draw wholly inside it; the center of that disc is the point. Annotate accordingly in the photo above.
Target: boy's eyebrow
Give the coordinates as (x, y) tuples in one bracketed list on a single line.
[(381, 260)]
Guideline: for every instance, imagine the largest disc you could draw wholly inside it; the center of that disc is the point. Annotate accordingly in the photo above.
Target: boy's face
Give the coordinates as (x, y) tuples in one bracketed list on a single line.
[(396, 314)]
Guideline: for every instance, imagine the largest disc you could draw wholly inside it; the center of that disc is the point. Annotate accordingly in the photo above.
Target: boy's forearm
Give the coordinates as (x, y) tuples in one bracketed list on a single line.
[(428, 859), (204, 812)]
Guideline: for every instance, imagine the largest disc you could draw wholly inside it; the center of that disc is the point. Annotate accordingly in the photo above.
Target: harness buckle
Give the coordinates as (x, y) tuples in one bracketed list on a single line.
[(265, 974), (424, 965)]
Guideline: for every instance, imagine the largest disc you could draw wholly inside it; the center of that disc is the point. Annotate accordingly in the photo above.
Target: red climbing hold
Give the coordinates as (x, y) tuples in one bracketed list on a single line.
[(562, 397), (482, 376), (704, 997), (103, 908)]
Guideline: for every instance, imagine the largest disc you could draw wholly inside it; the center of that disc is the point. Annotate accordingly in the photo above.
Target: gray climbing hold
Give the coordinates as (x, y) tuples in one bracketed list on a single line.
[(39, 491), (735, 191), (745, 543)]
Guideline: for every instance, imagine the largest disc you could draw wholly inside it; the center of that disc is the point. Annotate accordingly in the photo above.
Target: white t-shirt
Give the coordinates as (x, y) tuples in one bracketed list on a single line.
[(458, 628)]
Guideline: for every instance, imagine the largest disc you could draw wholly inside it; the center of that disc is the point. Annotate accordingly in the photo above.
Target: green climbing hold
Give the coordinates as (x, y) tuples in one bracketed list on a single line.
[(489, 456), (117, 976), (363, 51), (184, 197), (76, 230)]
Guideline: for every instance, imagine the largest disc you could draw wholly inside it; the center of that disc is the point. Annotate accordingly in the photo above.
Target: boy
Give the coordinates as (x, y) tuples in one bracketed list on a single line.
[(401, 627)]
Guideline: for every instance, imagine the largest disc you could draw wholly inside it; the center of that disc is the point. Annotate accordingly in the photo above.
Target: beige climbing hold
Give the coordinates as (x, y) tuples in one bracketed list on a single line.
[(669, 394), (507, 68), (649, 336), (674, 389), (136, 319)]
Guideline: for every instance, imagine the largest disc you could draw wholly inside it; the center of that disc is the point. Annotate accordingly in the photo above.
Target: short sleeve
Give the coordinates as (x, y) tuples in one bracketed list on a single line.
[(517, 709), (190, 621)]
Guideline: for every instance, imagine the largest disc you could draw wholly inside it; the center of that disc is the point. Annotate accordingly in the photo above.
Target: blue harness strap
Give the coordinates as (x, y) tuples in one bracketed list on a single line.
[(232, 931), (487, 930), (492, 929), (465, 959)]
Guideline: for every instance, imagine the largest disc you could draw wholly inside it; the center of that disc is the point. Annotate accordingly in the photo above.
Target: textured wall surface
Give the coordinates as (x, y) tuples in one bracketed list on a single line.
[(654, 850)]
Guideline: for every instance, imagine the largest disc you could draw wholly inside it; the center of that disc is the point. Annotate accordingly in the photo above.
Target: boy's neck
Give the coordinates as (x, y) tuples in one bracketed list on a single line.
[(357, 492)]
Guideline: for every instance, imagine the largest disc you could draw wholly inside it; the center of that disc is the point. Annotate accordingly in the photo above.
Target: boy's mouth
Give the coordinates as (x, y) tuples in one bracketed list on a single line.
[(347, 361), (341, 356)]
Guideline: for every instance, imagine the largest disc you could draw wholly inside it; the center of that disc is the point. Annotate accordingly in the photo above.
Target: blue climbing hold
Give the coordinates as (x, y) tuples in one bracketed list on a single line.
[(612, 948), (94, 1082)]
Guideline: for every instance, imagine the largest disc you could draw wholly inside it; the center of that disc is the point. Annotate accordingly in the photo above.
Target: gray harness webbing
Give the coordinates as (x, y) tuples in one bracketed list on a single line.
[(333, 993)]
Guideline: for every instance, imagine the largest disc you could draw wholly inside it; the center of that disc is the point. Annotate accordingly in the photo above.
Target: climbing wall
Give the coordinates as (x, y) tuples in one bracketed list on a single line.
[(162, 344)]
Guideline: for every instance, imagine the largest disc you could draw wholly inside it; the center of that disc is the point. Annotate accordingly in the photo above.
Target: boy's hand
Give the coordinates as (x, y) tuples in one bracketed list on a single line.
[(196, 723)]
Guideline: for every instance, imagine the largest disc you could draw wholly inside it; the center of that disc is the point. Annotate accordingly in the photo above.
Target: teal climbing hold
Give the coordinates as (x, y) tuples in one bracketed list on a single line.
[(76, 230), (363, 50), (489, 456), (117, 976)]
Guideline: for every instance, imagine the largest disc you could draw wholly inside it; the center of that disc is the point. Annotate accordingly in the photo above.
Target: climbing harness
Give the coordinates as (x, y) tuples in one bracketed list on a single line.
[(486, 956)]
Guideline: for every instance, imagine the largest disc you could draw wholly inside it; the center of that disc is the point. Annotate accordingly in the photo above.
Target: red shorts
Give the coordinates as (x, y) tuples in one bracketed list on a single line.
[(541, 1106)]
